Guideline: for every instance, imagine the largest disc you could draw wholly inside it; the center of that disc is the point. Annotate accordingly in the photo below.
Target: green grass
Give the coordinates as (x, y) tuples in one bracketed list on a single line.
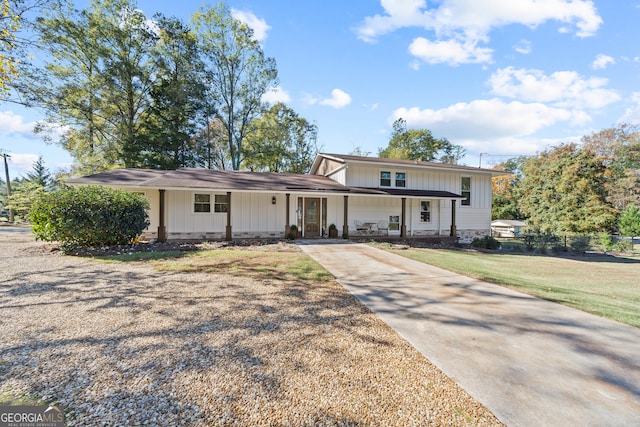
[(603, 285), (9, 399)]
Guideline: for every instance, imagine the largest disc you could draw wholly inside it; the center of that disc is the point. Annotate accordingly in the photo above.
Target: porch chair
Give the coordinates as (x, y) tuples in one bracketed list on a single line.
[(383, 226), (360, 226)]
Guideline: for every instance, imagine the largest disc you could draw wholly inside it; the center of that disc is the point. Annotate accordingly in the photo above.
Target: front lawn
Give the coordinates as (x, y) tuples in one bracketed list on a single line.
[(600, 284)]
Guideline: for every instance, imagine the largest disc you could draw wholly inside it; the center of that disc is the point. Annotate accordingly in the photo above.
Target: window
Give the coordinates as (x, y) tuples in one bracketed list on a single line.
[(385, 179), (202, 202), (466, 191), (399, 179), (425, 211), (221, 203), (394, 222)]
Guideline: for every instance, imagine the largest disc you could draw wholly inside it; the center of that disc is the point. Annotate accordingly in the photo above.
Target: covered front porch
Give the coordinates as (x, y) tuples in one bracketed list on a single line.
[(309, 214)]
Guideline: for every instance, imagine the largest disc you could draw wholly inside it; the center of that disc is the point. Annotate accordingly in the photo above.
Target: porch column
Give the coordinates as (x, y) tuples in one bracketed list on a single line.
[(454, 231), (403, 223), (228, 230), (162, 228), (345, 225), (287, 224)]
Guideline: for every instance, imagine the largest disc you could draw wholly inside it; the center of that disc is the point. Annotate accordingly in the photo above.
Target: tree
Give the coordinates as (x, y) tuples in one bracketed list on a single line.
[(176, 97), (282, 142), (40, 174), (210, 147), (629, 222), (562, 191), (9, 24), (97, 80), (26, 190), (15, 40), (619, 150), (505, 201), (237, 74), (419, 144)]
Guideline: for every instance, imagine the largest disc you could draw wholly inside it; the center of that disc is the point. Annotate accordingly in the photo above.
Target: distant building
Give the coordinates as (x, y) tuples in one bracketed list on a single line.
[(507, 227)]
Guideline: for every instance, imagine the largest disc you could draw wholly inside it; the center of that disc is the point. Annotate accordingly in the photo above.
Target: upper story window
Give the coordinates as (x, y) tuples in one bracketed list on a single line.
[(385, 179), (393, 179), (221, 203), (202, 203), (466, 191)]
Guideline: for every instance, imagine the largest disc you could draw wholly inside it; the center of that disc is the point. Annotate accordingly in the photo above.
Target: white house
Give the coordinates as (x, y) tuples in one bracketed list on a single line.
[(360, 195), (507, 227)]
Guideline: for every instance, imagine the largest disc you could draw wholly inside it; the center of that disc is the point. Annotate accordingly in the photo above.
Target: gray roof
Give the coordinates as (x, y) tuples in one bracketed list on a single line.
[(227, 180), (345, 158)]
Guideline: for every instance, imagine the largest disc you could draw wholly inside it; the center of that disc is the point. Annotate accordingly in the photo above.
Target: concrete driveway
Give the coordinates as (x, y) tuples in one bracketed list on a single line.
[(530, 361)]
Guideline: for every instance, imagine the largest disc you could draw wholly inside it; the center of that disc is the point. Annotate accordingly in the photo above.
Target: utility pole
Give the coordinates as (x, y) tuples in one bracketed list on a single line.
[(6, 173)]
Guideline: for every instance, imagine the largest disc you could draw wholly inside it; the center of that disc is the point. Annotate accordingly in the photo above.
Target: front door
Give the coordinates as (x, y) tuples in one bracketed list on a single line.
[(311, 217)]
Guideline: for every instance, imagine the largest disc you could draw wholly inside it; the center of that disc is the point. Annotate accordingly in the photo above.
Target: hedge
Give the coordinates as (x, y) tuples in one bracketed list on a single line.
[(89, 216)]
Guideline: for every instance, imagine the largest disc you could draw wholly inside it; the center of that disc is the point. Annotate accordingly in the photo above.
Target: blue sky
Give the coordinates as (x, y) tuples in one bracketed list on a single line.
[(499, 77)]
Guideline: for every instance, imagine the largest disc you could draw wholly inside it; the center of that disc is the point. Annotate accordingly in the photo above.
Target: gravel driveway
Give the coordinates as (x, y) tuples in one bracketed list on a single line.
[(124, 344)]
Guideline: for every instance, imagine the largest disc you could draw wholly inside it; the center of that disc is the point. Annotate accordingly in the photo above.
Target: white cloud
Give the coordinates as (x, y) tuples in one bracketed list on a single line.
[(276, 95), (21, 162), (489, 119), (258, 25), (523, 47), (14, 124), (632, 114), (339, 99), (602, 61), (450, 51), (562, 88), (465, 23)]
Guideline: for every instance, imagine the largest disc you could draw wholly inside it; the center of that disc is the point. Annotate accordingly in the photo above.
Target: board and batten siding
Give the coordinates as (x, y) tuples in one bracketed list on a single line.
[(470, 220), (252, 214), (154, 207)]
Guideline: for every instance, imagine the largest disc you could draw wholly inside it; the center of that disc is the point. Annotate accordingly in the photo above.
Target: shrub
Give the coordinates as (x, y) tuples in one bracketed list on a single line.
[(540, 241), (605, 242), (89, 216), (581, 243), (486, 242), (293, 232), (623, 245)]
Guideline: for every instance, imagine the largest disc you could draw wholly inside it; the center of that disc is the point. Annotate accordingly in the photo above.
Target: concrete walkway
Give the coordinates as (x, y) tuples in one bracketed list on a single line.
[(530, 361)]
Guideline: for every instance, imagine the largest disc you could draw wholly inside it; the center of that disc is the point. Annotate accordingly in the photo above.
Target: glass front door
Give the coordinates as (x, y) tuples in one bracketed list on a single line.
[(311, 217)]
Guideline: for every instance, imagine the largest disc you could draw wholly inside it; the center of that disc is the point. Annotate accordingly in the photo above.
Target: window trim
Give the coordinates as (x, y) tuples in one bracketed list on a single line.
[(380, 178), (466, 198), (392, 178), (427, 211), (216, 203), (194, 202)]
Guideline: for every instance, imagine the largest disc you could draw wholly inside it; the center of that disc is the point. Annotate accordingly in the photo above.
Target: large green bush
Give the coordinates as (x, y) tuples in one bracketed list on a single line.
[(89, 216), (486, 242)]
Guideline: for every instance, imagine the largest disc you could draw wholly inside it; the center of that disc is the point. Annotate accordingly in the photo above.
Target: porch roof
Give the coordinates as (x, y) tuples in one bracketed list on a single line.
[(431, 194)]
